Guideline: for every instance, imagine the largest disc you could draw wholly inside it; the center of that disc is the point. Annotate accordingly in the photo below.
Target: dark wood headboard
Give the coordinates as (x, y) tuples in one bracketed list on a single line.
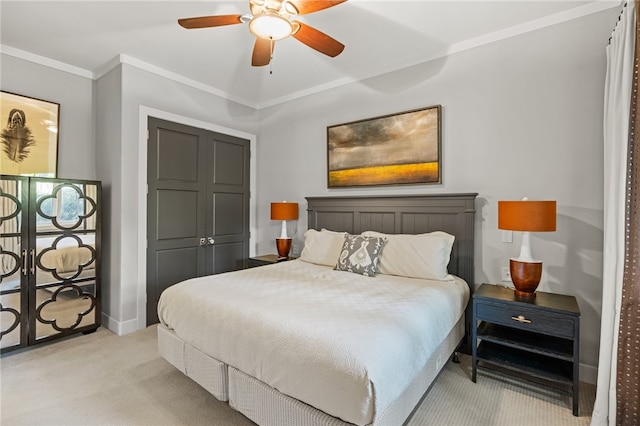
[(406, 214)]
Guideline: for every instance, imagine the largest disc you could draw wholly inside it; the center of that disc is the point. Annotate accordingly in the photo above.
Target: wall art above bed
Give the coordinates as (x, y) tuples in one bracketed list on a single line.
[(402, 148), (28, 136)]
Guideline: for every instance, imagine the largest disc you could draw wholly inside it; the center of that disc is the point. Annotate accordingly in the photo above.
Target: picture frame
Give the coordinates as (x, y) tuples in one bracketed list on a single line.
[(395, 149), (28, 135)]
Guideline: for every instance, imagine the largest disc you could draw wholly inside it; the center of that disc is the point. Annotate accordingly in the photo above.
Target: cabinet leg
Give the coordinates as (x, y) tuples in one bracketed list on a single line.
[(456, 357)]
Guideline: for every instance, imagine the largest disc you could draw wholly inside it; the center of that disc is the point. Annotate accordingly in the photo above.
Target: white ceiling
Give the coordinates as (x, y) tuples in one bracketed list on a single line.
[(90, 37)]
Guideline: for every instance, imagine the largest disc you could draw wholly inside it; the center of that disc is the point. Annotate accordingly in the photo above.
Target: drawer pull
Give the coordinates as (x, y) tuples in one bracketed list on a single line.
[(521, 318)]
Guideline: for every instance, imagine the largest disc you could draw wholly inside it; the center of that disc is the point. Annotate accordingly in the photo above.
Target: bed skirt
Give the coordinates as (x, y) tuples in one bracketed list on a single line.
[(266, 406), (208, 372)]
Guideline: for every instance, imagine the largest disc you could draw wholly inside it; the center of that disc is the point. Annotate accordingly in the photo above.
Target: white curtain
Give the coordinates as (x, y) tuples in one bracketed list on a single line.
[(618, 87)]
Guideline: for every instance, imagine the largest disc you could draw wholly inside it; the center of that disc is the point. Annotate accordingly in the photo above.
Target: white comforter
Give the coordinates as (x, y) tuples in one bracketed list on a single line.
[(343, 343)]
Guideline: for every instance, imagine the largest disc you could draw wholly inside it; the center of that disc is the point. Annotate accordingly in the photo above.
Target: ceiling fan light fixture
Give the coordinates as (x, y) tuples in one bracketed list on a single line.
[(270, 26), (273, 20), (290, 8)]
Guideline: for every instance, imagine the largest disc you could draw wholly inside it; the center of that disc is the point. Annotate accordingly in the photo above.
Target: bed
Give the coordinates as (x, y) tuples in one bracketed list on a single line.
[(299, 343)]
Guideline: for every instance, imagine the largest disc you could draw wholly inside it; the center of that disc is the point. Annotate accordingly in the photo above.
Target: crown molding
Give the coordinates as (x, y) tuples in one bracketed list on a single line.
[(43, 60), (558, 18), (130, 60), (537, 24)]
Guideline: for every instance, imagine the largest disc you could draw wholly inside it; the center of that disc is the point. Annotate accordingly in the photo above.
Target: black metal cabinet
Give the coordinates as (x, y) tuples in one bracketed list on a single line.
[(50, 259), (536, 338)]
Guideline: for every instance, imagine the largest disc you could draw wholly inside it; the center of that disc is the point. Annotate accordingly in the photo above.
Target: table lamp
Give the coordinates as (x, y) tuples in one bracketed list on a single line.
[(284, 211), (526, 216)]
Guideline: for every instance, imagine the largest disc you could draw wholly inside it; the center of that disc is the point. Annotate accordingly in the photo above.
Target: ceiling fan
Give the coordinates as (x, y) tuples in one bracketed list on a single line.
[(271, 20)]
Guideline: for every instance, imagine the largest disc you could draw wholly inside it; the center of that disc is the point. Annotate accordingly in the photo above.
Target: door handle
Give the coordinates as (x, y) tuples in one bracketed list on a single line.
[(24, 262), (211, 241), (203, 241), (33, 261)]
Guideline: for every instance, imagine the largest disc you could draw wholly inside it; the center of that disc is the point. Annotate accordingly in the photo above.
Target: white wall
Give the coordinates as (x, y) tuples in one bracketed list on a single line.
[(521, 117), (76, 147)]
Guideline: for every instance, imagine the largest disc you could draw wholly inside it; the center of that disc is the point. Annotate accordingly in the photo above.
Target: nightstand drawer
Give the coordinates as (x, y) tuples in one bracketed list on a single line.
[(538, 321)]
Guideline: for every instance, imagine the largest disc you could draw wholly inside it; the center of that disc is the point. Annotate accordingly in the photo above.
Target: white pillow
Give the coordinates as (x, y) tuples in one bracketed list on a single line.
[(322, 248), (416, 256)]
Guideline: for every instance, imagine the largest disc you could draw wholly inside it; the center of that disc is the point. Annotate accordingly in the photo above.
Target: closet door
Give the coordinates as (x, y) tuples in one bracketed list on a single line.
[(176, 238), (14, 203), (197, 206), (227, 203), (64, 258)]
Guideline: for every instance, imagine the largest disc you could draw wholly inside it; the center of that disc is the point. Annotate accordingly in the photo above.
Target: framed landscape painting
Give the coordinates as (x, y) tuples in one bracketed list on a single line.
[(28, 136), (402, 148)]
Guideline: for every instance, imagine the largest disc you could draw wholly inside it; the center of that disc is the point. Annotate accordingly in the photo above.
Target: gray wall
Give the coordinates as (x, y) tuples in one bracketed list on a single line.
[(521, 117), (76, 148), (109, 170)]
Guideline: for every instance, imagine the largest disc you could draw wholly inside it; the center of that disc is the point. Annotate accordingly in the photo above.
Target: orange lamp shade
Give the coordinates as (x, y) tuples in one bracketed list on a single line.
[(525, 215), (284, 211)]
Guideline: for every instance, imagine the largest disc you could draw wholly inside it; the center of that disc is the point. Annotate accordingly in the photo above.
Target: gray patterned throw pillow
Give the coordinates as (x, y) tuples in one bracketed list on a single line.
[(360, 254)]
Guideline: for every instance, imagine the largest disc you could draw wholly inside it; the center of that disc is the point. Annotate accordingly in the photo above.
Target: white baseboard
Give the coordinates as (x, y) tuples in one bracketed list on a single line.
[(119, 327)]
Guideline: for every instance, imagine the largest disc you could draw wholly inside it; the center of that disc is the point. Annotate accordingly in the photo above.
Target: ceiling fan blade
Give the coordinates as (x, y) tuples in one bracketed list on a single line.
[(261, 52), (309, 6), (209, 21), (318, 40)]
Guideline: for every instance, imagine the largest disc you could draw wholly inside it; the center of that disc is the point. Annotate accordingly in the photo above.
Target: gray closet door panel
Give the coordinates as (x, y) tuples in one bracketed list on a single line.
[(177, 214), (228, 214), (176, 265), (229, 164), (229, 256), (177, 156)]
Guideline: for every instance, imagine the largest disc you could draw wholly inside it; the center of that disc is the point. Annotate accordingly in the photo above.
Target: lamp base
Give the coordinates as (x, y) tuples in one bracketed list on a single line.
[(284, 246), (525, 276)]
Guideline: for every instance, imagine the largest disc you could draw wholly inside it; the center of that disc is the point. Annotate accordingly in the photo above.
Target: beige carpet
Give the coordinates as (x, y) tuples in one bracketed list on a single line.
[(104, 379)]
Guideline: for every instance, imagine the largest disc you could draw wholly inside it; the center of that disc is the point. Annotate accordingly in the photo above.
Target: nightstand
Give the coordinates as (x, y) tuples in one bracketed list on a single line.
[(533, 338), (266, 259)]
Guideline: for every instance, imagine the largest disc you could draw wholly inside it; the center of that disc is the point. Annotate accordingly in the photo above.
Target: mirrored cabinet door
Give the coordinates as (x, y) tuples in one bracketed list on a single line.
[(13, 271), (58, 277)]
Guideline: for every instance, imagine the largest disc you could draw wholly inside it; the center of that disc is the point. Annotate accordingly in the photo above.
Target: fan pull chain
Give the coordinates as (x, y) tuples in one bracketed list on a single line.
[(271, 55)]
